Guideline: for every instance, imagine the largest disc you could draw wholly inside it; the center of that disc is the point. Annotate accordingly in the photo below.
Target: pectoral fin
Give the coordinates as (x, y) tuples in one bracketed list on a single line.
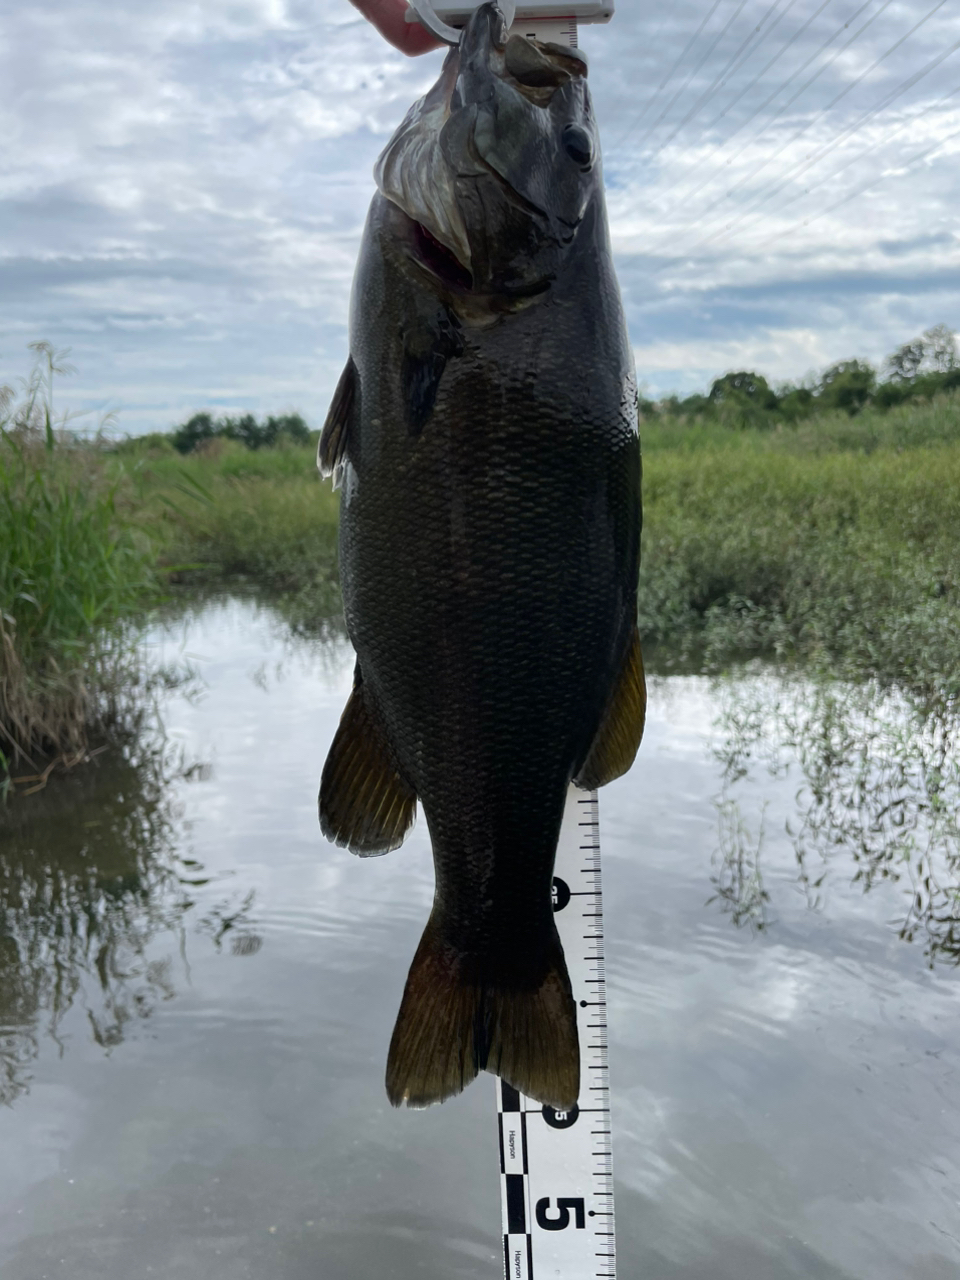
[(615, 745), (332, 450), (429, 345), (420, 376), (365, 803)]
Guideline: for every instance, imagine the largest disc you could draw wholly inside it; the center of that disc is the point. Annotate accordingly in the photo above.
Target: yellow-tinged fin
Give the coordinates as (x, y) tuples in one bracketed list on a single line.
[(331, 451), (365, 803), (450, 1028), (613, 749)]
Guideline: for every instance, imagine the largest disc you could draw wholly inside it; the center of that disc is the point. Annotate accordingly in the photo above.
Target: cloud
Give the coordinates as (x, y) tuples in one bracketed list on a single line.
[(182, 189), (687, 364)]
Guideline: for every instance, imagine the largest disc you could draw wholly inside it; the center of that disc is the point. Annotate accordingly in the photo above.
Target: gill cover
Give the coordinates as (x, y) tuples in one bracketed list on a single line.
[(413, 172)]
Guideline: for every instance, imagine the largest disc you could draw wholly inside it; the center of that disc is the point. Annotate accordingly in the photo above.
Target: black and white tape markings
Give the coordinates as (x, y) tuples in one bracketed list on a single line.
[(556, 1168)]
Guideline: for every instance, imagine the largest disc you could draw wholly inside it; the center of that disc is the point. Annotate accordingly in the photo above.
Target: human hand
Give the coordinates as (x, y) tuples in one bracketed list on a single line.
[(389, 17)]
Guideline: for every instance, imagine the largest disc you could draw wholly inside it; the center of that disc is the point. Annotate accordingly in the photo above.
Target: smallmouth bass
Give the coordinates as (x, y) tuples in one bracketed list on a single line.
[(484, 433)]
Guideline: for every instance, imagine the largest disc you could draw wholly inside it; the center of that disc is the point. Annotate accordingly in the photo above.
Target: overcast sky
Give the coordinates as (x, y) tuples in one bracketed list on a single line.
[(183, 186)]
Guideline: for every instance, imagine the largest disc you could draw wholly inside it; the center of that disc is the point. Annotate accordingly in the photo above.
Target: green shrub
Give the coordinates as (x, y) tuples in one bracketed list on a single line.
[(73, 574), (912, 424), (848, 385)]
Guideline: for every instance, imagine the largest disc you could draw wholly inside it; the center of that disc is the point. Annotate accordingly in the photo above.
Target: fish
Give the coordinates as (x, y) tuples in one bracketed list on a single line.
[(484, 438)]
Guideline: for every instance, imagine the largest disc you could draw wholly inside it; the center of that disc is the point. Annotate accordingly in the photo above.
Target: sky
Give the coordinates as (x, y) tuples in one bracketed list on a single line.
[(183, 188)]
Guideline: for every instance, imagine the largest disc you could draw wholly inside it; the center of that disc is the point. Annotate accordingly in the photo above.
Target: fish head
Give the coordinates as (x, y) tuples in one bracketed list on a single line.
[(498, 164)]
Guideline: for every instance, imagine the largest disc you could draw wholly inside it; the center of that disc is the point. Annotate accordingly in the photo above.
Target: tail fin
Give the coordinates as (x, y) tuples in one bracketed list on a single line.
[(451, 1027)]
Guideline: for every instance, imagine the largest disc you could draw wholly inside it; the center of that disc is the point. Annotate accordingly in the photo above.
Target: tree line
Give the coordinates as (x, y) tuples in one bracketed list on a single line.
[(245, 429), (919, 369)]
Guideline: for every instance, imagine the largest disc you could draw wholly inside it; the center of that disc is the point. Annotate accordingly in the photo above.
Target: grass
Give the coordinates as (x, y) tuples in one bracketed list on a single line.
[(874, 777), (844, 558), (226, 510), (91, 531), (913, 425), (74, 572)]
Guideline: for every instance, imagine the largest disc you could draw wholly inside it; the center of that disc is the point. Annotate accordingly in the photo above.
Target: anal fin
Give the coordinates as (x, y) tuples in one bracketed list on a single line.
[(616, 742), (365, 803)]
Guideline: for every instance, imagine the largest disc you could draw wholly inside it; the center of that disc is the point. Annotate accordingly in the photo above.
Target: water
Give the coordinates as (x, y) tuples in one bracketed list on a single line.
[(197, 992)]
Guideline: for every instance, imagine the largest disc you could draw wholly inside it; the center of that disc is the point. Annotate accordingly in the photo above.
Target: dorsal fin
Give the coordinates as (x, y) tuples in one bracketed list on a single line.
[(331, 451)]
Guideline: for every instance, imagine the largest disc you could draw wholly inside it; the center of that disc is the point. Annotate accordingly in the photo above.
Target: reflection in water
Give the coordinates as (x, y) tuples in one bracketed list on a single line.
[(739, 881), (88, 879), (769, 1090), (93, 897), (95, 884), (95, 887), (230, 922), (879, 779)]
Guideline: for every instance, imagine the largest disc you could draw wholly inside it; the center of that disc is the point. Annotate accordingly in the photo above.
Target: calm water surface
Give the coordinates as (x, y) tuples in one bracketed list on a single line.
[(197, 993)]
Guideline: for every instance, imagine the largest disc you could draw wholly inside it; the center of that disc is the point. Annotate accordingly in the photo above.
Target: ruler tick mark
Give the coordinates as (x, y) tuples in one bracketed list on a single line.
[(557, 1154)]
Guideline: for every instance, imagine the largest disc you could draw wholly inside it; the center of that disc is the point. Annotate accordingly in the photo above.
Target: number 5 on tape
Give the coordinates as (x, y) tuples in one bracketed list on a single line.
[(556, 1168)]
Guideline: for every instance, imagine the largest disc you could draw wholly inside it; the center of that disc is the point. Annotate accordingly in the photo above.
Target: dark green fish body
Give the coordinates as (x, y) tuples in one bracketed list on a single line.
[(485, 434)]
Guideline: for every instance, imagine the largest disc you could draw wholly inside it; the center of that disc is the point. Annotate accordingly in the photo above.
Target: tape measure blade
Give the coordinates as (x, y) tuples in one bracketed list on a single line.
[(557, 1168)]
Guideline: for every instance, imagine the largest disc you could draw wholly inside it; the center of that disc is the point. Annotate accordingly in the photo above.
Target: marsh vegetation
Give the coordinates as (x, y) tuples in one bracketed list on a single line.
[(75, 572), (828, 539)]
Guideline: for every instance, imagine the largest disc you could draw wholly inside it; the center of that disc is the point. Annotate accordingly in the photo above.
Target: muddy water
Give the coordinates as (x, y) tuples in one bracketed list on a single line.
[(196, 995)]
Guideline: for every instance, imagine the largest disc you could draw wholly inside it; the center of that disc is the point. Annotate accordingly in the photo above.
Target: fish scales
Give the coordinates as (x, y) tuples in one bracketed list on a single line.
[(487, 444)]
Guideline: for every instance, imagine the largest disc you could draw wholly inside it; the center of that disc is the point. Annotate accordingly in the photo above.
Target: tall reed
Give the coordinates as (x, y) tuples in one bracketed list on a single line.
[(72, 576)]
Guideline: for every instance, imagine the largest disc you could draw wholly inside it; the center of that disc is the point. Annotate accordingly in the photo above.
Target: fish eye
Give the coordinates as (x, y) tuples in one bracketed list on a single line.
[(578, 145)]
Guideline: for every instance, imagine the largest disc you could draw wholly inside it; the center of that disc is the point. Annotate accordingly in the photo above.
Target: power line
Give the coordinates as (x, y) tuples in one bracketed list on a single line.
[(868, 115), (669, 76), (763, 197), (720, 145), (886, 139), (941, 142), (732, 65), (667, 108), (799, 71), (776, 58), (823, 110)]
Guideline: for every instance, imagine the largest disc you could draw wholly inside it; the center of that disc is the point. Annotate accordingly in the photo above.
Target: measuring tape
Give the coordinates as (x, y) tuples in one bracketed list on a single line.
[(556, 1168)]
